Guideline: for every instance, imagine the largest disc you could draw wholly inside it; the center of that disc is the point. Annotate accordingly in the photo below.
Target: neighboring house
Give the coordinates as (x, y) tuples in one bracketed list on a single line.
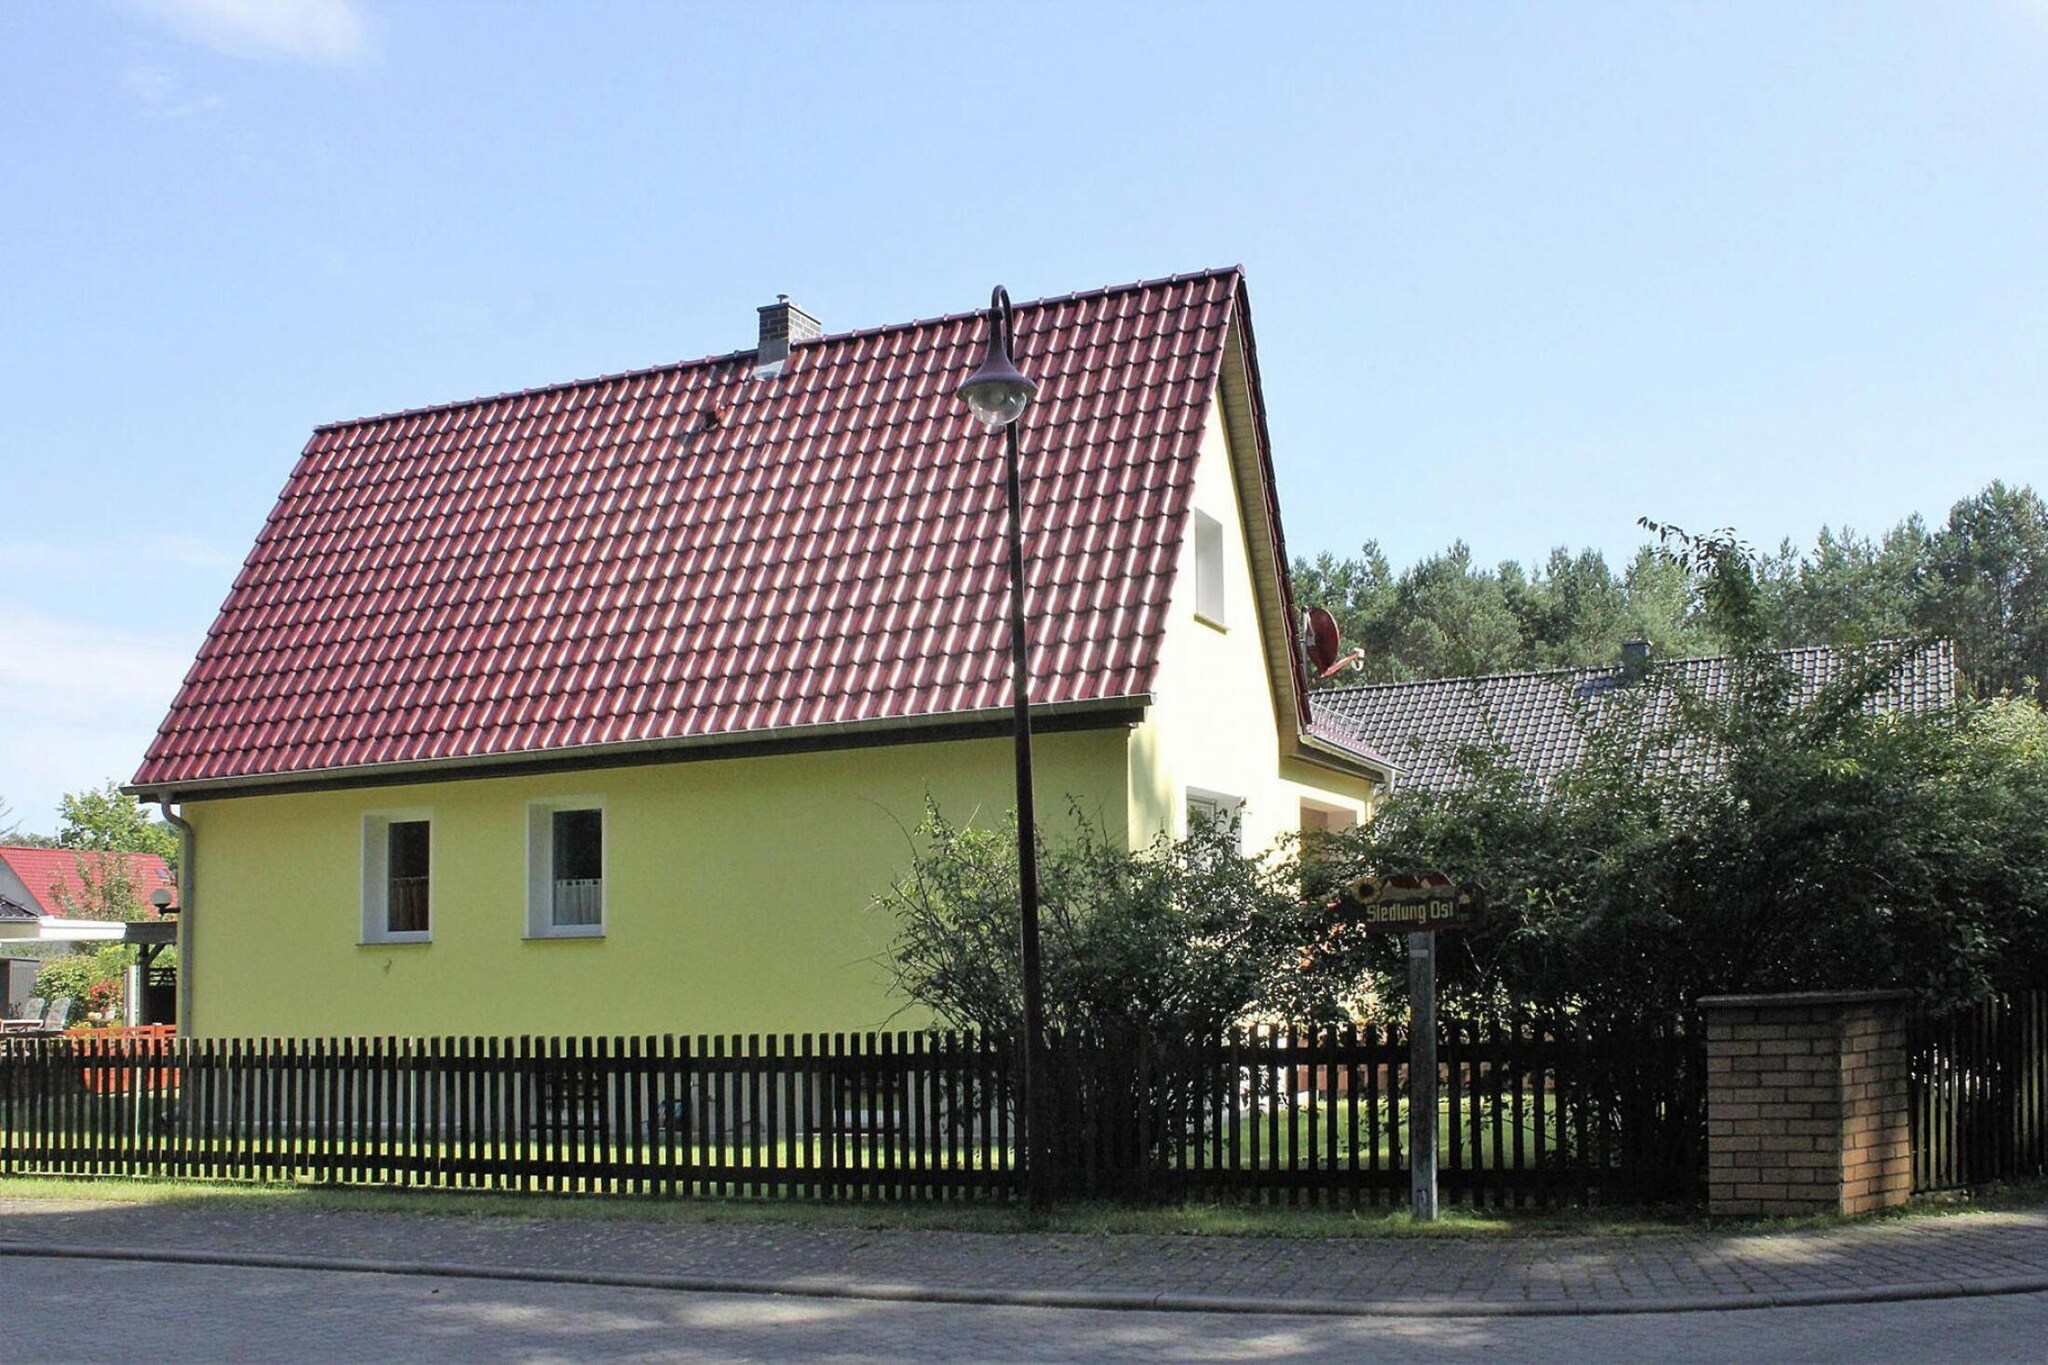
[(610, 706), (1541, 719), (53, 881)]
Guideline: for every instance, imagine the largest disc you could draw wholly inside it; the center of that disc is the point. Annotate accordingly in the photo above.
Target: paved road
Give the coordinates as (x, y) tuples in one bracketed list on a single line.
[(74, 1310)]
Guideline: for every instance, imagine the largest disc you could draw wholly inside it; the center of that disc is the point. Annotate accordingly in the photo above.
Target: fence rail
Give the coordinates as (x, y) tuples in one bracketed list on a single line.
[(1979, 1093), (1532, 1114)]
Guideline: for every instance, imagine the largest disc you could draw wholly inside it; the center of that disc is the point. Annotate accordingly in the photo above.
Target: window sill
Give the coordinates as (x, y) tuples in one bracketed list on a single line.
[(395, 940), (1213, 624), (572, 931)]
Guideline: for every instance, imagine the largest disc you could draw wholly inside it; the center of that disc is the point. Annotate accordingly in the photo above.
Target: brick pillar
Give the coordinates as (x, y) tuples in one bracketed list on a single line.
[(1806, 1103)]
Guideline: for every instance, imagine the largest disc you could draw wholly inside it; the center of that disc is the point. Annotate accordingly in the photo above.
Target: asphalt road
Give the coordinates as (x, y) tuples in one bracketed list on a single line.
[(75, 1310)]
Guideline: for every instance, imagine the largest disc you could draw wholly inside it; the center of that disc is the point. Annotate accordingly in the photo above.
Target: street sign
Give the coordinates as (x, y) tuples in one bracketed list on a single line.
[(1418, 906), (1412, 904)]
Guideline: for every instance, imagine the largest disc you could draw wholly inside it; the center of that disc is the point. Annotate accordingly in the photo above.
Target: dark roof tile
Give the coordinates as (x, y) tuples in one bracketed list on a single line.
[(1539, 717)]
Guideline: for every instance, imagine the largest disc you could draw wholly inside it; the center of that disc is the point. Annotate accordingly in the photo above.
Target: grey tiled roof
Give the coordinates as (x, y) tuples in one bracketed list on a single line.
[(1541, 718), (15, 910)]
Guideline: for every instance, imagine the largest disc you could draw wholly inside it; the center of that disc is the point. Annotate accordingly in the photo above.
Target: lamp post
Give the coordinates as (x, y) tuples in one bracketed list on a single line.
[(998, 393)]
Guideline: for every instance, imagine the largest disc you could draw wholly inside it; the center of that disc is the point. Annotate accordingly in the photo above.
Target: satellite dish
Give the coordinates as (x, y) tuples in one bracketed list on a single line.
[(1321, 634), (1320, 638)]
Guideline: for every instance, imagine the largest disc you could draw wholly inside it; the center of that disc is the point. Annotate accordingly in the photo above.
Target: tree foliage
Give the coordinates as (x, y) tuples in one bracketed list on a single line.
[(1980, 578), (1987, 585), (107, 820)]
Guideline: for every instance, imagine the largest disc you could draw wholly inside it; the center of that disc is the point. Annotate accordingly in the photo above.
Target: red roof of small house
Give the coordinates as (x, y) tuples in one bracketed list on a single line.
[(692, 552), (51, 876)]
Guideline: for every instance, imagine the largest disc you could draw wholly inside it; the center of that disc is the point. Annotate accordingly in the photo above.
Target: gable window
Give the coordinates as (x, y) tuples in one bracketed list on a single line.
[(565, 869), (1209, 569), (398, 877)]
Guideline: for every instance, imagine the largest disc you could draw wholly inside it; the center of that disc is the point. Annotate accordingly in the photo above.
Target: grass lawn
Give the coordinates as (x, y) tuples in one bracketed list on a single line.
[(1224, 1220)]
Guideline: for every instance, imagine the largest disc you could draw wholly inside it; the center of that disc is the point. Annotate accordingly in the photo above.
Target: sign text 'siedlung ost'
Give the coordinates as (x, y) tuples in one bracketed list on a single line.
[(1427, 900)]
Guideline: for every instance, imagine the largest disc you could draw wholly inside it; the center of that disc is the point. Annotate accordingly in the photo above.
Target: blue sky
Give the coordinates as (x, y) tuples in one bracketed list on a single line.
[(1521, 273)]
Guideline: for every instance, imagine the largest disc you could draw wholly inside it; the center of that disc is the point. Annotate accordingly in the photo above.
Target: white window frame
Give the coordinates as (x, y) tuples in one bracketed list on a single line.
[(540, 867), (376, 887), (1210, 598), (1220, 804)]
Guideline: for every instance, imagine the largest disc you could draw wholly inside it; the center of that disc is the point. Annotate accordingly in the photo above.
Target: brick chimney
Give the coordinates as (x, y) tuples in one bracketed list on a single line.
[(1635, 659), (783, 325)]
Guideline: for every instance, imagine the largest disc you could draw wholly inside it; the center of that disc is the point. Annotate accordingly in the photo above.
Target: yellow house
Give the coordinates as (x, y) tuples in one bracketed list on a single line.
[(608, 707)]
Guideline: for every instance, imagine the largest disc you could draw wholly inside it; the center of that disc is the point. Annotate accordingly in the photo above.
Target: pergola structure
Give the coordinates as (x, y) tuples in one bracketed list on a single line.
[(150, 936)]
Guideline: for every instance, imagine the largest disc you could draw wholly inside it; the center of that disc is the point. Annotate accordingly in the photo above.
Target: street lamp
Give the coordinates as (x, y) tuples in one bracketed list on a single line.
[(998, 393)]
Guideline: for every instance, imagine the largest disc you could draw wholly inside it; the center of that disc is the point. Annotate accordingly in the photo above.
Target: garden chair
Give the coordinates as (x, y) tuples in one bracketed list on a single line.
[(32, 1019), (49, 1025)]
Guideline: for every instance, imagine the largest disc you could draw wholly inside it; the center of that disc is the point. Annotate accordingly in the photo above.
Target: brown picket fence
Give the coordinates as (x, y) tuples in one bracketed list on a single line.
[(1979, 1093), (1531, 1114)]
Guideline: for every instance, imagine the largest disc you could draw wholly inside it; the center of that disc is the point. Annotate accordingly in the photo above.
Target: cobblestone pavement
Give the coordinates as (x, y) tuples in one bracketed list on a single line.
[(84, 1310), (1972, 1252)]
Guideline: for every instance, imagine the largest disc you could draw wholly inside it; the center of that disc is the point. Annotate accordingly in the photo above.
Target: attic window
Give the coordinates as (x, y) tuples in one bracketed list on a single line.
[(1209, 569)]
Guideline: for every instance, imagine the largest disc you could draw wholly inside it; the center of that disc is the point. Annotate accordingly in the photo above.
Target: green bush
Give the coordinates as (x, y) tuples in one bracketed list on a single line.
[(75, 974), (1179, 939)]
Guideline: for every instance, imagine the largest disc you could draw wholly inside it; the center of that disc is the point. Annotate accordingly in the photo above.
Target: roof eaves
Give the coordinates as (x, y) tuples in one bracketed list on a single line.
[(898, 729), (1334, 744), (1241, 321)]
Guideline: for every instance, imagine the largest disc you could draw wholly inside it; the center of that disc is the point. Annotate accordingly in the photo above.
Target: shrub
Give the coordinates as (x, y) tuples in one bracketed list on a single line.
[(1178, 939), (79, 975)]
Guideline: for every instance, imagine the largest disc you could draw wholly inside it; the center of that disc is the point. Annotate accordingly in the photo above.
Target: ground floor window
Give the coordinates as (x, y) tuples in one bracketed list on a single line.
[(1217, 810), (398, 877), (565, 859)]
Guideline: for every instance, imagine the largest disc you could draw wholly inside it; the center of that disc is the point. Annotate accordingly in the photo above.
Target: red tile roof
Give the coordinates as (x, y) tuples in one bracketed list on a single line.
[(690, 552), (51, 875)]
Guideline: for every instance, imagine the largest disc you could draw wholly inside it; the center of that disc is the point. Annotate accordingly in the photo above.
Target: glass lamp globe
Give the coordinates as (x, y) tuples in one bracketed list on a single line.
[(998, 392)]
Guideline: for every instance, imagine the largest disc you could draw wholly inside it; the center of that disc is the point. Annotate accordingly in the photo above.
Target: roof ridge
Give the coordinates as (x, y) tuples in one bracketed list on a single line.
[(728, 357), (1476, 678), (66, 848), (1588, 670)]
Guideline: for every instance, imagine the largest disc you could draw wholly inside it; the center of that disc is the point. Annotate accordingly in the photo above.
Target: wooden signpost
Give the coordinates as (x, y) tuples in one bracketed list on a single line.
[(1420, 905)]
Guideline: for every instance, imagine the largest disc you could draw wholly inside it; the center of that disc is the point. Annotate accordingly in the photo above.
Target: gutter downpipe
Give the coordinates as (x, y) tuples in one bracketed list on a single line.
[(188, 852)]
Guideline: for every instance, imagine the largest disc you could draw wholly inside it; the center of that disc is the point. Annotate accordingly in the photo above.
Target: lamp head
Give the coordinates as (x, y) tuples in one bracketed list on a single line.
[(998, 392)]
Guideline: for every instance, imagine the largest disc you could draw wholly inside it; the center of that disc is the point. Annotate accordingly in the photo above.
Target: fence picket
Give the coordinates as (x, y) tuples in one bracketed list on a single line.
[(1978, 1093)]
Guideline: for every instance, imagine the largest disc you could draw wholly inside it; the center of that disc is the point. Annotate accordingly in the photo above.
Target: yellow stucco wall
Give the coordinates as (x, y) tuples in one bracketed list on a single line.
[(737, 894), (1212, 725)]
